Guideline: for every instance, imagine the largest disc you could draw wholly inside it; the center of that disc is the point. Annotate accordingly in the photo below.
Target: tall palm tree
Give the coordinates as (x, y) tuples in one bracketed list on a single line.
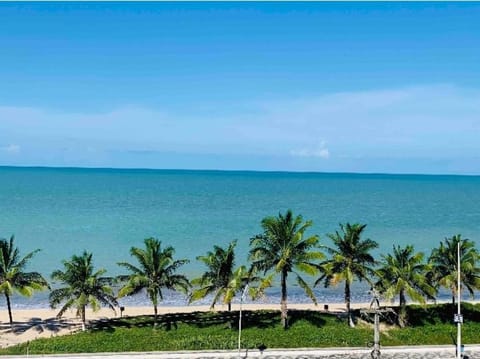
[(83, 286), (13, 277), (350, 260), (445, 265), (221, 278), (156, 270), (404, 273), (282, 248)]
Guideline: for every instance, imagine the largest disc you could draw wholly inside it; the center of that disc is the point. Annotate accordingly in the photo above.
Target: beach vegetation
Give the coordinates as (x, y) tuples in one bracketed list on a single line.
[(402, 274), (156, 270), (429, 325), (13, 277), (221, 279), (350, 259), (82, 286), (444, 263), (283, 248)]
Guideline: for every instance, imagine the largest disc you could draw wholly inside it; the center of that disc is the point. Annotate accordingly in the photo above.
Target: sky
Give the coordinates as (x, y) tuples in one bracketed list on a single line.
[(325, 87)]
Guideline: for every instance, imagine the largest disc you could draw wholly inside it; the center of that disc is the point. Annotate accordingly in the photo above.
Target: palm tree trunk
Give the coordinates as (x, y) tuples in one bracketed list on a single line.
[(155, 315), (229, 306), (402, 310), (454, 292), (9, 306), (283, 303), (347, 302), (84, 326)]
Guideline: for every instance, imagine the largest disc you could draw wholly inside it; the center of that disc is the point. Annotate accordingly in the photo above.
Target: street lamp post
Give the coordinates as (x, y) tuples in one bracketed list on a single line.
[(375, 305), (376, 311), (242, 297), (458, 318)]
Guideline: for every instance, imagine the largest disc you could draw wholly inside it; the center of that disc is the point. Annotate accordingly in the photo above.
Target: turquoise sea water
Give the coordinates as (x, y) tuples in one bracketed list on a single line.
[(106, 211)]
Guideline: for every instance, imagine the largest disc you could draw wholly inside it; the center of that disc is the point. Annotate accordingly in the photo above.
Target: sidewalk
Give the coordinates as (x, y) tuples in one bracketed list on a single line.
[(410, 352)]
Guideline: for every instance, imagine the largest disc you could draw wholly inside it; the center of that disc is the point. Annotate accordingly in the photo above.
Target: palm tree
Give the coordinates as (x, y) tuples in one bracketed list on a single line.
[(350, 259), (13, 277), (221, 278), (157, 269), (445, 265), (404, 273), (282, 248), (83, 287)]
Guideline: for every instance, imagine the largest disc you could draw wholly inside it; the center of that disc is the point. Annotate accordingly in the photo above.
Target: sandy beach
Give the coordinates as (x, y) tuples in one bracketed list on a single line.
[(30, 324)]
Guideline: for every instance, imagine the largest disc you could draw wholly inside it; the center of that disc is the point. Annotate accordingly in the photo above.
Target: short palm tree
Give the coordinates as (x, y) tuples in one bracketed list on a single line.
[(221, 278), (404, 273), (83, 286), (443, 261), (350, 259), (283, 249), (156, 271), (13, 277)]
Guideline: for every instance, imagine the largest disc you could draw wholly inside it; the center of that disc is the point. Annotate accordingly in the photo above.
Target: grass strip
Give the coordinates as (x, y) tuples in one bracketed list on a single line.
[(206, 331)]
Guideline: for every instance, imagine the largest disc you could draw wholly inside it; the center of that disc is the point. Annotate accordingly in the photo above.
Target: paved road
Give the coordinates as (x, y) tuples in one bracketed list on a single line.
[(436, 352)]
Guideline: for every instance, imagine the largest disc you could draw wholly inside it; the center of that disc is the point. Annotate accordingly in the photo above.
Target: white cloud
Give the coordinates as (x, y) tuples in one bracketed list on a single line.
[(125, 128), (433, 122), (11, 149), (437, 121), (320, 151)]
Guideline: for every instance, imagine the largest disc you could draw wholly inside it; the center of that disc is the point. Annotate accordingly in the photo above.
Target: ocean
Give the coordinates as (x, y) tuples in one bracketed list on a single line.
[(64, 211)]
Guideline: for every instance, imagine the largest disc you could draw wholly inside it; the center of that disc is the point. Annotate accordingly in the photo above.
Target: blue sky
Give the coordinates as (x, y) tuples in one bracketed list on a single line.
[(344, 87)]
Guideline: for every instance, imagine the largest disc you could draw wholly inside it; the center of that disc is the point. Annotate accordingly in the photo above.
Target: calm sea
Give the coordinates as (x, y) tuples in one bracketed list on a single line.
[(106, 211)]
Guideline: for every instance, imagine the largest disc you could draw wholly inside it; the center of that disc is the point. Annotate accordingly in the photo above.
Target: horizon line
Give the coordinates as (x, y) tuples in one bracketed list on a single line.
[(236, 170)]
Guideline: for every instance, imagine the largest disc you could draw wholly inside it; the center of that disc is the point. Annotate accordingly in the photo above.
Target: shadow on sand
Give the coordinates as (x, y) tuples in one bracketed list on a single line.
[(52, 325)]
